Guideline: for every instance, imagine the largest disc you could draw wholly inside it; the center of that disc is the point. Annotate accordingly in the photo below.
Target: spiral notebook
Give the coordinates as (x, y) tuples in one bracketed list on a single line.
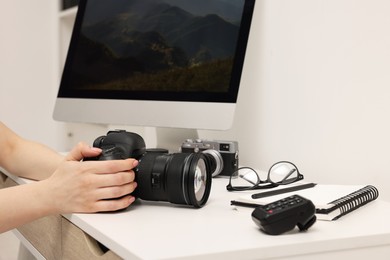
[(331, 201), (342, 206)]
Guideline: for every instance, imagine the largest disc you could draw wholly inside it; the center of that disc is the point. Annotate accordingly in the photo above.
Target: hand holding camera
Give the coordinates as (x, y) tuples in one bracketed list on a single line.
[(180, 178)]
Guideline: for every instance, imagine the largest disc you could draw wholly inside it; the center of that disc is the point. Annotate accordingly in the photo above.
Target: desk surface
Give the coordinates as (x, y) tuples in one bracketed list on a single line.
[(159, 230)]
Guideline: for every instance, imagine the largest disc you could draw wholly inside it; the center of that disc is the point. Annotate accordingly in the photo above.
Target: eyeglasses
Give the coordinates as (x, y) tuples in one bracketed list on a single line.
[(280, 173)]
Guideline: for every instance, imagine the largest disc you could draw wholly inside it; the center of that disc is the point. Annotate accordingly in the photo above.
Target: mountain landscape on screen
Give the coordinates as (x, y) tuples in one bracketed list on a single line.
[(157, 45)]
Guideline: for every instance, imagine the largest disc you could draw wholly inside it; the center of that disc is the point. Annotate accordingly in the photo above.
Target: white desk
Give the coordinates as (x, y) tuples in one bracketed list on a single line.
[(159, 230)]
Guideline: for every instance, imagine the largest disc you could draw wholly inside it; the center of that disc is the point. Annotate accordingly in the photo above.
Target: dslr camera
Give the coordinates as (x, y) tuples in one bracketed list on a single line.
[(180, 178), (224, 154)]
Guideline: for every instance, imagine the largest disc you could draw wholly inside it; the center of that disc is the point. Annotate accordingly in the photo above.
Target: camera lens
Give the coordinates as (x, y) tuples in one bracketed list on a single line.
[(200, 179), (180, 178)]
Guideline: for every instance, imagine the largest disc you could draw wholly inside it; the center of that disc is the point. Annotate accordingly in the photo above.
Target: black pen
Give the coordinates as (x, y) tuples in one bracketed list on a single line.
[(281, 191), (244, 204)]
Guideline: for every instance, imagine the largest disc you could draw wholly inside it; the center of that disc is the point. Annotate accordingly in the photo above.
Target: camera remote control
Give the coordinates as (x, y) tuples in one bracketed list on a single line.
[(283, 215)]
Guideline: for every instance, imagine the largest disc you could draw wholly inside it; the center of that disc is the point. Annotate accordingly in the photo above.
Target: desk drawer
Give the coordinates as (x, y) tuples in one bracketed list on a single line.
[(3, 177), (76, 244), (44, 233)]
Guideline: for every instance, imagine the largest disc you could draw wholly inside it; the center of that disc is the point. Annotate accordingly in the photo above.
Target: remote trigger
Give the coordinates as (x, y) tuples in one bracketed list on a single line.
[(308, 224), (285, 214)]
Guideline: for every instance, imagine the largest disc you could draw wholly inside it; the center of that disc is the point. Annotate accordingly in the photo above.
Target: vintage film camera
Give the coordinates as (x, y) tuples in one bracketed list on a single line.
[(225, 154), (180, 178)]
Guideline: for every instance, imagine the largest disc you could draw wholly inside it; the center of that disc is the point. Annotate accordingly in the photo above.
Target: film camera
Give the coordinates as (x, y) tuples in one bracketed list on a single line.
[(180, 178), (224, 154)]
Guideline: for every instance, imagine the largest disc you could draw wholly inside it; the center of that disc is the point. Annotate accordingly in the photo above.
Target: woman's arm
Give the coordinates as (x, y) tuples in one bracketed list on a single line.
[(69, 185), (25, 158)]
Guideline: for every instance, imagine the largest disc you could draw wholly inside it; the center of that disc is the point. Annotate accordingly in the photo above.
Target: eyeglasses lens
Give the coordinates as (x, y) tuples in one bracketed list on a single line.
[(283, 173), (246, 179)]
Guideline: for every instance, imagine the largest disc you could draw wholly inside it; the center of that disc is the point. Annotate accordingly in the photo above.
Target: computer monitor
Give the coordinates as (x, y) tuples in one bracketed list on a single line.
[(161, 63)]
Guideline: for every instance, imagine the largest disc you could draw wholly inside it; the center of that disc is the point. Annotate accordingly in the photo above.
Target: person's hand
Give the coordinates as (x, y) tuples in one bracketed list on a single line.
[(91, 186)]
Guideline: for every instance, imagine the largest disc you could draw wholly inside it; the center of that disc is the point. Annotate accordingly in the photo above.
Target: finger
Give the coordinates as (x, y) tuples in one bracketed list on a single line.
[(111, 166), (116, 179), (115, 192), (113, 205), (82, 150)]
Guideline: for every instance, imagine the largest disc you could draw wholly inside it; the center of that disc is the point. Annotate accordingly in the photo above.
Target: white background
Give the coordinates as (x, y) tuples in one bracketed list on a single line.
[(315, 87)]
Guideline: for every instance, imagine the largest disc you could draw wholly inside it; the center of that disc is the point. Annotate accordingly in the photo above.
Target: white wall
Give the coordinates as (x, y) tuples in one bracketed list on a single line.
[(317, 90), (27, 79), (315, 86)]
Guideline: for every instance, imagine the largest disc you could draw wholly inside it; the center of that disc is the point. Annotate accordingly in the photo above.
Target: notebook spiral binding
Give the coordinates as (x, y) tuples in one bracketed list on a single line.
[(356, 199)]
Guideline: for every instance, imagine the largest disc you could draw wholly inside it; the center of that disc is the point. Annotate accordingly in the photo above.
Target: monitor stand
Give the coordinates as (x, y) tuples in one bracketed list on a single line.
[(172, 138), (161, 137)]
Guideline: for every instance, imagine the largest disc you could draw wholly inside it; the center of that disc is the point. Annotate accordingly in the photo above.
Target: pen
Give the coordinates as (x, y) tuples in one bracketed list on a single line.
[(281, 191), (244, 204)]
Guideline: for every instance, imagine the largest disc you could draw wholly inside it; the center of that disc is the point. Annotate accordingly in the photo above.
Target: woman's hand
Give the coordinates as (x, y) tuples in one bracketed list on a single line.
[(90, 186)]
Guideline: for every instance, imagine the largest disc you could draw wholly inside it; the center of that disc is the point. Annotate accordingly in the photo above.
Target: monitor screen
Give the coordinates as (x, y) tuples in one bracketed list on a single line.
[(170, 63)]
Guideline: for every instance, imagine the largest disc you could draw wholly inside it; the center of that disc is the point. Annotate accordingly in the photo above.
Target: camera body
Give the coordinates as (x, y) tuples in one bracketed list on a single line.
[(227, 149), (119, 144)]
